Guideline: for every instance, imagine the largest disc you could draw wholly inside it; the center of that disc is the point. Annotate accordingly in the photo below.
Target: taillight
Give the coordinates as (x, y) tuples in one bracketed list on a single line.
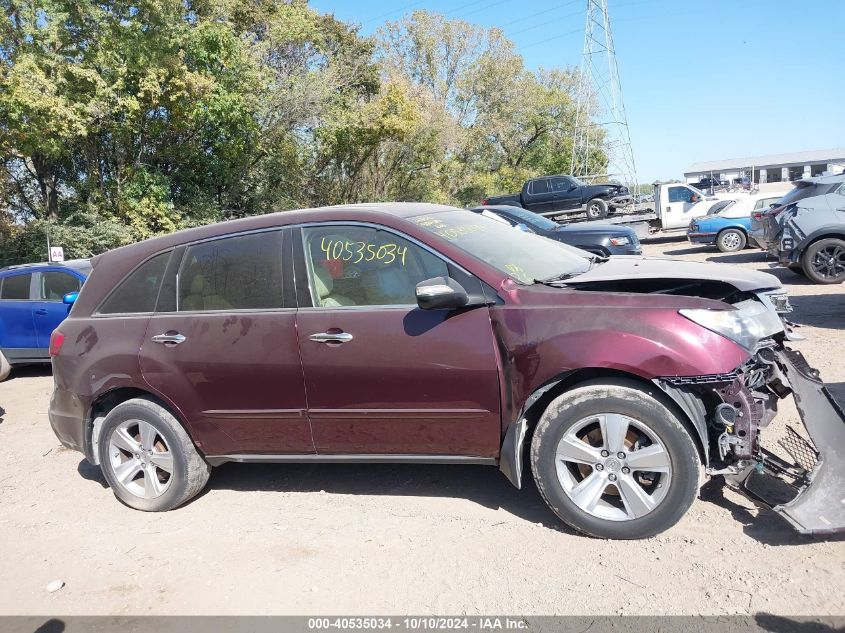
[(57, 339), (485, 201)]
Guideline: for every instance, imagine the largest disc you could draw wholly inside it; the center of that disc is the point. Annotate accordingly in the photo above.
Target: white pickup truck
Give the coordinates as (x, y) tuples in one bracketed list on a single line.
[(675, 204)]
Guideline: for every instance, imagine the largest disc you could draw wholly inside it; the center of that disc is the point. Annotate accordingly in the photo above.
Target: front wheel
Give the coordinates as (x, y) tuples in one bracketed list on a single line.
[(824, 261), (147, 457), (613, 462), (731, 240), (596, 209)]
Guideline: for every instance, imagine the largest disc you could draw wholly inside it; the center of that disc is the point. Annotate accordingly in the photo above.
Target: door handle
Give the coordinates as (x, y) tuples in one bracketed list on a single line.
[(331, 337), (168, 339), (41, 312)]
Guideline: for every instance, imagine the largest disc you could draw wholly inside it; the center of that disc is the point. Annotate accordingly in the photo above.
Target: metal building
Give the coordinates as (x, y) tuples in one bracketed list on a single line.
[(771, 168)]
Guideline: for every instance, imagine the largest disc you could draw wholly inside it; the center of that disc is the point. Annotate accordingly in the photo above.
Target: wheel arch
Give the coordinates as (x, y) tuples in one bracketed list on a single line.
[(685, 405), (835, 232), (734, 227), (106, 402)]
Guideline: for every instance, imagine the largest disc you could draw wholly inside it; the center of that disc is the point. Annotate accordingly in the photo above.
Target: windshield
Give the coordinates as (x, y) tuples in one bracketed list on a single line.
[(580, 183), (524, 257), (531, 219)]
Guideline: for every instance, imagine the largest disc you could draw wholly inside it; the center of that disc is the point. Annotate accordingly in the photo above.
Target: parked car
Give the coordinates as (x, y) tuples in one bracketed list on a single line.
[(766, 224), (33, 301), (812, 237), (561, 195), (423, 333), (599, 239), (727, 225)]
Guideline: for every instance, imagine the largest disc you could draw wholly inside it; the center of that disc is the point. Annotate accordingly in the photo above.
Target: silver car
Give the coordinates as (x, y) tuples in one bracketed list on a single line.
[(766, 224), (811, 238)]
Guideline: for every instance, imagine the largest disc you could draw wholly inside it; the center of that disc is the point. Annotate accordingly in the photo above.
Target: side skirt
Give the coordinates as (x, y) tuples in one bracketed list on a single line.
[(216, 460)]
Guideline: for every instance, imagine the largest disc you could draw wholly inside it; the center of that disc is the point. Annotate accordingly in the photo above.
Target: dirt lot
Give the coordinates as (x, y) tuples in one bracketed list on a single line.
[(392, 539)]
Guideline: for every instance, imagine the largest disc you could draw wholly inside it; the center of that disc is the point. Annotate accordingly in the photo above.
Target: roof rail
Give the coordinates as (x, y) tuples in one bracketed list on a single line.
[(71, 263)]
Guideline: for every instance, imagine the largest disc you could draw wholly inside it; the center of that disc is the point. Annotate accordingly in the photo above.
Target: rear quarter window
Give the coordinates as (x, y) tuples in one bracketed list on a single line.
[(138, 292)]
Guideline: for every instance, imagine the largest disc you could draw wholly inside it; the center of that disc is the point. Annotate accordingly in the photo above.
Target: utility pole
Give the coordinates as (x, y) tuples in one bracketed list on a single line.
[(600, 99)]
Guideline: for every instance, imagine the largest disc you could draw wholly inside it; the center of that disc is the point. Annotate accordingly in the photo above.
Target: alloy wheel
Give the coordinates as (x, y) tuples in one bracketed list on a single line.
[(731, 241), (613, 467), (140, 459), (829, 261)]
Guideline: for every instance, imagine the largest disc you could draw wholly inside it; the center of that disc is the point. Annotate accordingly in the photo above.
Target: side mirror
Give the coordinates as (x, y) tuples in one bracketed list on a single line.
[(70, 298), (573, 187), (441, 293)]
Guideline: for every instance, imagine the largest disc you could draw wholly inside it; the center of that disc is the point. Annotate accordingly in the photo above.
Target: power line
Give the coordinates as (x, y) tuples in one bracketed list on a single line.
[(549, 39)]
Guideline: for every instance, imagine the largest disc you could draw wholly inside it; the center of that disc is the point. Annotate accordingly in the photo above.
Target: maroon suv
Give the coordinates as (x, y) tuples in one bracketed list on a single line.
[(422, 333)]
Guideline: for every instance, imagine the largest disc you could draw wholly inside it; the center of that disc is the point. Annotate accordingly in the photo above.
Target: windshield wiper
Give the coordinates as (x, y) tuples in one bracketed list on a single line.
[(560, 277)]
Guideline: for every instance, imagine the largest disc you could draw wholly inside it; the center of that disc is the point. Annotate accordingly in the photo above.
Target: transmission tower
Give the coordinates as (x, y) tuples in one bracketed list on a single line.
[(600, 119)]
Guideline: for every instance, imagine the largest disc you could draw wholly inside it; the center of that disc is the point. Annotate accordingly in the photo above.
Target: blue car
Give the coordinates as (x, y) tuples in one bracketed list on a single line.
[(729, 222), (34, 299)]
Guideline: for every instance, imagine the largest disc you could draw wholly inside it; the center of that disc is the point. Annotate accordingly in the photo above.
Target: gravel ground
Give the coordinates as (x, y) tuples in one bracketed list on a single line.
[(362, 539)]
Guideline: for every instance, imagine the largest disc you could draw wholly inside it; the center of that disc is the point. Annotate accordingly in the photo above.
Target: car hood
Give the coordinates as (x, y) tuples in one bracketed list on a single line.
[(593, 229), (638, 269)]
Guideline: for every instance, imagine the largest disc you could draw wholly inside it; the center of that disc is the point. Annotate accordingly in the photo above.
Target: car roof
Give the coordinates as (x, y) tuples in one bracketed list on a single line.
[(81, 265), (365, 211), (829, 179)]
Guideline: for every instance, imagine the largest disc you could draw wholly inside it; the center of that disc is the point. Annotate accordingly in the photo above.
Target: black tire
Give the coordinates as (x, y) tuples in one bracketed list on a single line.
[(190, 471), (5, 367), (824, 261), (627, 398), (731, 240), (596, 209)]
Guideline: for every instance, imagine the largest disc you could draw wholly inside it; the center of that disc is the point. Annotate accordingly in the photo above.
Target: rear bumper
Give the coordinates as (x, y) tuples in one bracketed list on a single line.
[(809, 494), (67, 418)]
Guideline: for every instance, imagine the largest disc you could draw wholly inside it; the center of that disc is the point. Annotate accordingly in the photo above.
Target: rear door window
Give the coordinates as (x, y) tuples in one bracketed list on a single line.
[(538, 186), (54, 285), (243, 272), (138, 292), (16, 287)]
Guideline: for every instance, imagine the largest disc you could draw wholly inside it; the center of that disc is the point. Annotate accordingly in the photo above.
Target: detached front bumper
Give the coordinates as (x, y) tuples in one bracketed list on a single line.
[(809, 493)]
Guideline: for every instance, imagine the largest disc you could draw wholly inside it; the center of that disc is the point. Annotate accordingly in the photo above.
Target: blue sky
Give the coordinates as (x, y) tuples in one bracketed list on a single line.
[(701, 80)]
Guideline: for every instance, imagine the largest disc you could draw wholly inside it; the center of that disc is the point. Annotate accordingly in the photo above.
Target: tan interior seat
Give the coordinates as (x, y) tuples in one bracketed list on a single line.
[(198, 299), (324, 285)]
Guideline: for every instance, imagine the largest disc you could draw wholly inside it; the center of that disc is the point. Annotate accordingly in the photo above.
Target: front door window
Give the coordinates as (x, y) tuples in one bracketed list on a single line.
[(364, 266)]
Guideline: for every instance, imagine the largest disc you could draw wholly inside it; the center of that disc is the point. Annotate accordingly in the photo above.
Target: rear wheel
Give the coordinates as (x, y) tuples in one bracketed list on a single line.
[(596, 209), (5, 367), (824, 261), (731, 240), (613, 462), (147, 457)]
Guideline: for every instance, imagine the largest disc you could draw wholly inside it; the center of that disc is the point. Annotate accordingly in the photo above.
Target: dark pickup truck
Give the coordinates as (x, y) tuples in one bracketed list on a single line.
[(561, 195)]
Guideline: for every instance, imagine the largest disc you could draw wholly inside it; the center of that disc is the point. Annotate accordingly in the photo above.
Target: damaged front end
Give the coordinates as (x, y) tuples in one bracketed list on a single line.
[(808, 489)]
